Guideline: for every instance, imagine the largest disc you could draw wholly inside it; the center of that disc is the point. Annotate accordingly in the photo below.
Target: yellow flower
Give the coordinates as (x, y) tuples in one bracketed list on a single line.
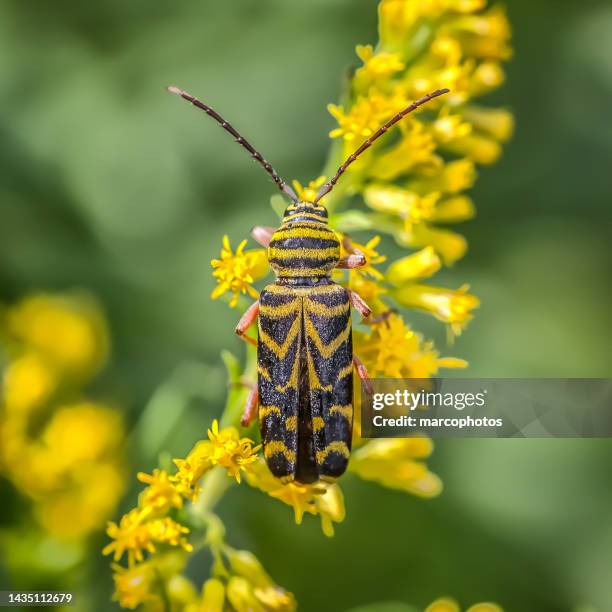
[(392, 350), (191, 469), (484, 607), (76, 508), (135, 534), (28, 382), (414, 152), (397, 464), (300, 497), (83, 432), (161, 495), (452, 177), (231, 451), (154, 582), (495, 122), (330, 508), (398, 18), (407, 205), (376, 66), (320, 498), (14, 440), (443, 605), (55, 343), (422, 264), (225, 448), (133, 585), (78, 445), (240, 595), (451, 306), (485, 35), (395, 19), (168, 531), (181, 592), (275, 598), (449, 245), (68, 330), (486, 77), (450, 605), (131, 535), (213, 596), (454, 209), (308, 193), (478, 147), (365, 116), (434, 71), (445, 51), (236, 272), (448, 128), (269, 595)]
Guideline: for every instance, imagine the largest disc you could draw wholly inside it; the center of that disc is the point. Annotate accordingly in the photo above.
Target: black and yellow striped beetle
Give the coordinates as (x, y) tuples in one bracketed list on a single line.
[(304, 350)]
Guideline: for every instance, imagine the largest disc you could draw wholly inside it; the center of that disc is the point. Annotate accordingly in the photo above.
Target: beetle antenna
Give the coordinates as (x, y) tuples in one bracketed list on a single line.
[(368, 143), (256, 155)]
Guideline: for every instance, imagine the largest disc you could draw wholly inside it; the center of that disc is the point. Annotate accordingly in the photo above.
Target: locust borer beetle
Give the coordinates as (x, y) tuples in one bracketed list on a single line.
[(305, 355)]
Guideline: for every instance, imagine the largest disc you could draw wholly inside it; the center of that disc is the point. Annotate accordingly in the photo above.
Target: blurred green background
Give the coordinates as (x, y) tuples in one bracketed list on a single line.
[(110, 184)]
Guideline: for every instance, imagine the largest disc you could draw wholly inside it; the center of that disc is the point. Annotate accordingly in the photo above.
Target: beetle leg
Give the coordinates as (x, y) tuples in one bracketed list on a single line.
[(250, 408), (355, 260), (262, 234), (248, 319), (380, 318), (357, 302), (362, 372)]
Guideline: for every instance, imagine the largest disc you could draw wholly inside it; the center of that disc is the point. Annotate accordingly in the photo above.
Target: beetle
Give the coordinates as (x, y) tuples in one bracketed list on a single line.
[(305, 356)]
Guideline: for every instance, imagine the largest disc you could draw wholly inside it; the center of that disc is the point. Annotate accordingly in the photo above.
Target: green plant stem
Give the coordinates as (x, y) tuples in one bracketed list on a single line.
[(214, 486)]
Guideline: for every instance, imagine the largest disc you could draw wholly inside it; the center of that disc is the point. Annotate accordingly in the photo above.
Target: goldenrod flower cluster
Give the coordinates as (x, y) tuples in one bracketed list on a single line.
[(413, 181), (150, 523), (59, 448), (175, 506), (411, 184), (225, 448), (154, 536)]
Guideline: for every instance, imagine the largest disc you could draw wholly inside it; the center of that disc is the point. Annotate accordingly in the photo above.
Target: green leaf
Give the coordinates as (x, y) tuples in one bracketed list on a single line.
[(357, 220), (351, 221)]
